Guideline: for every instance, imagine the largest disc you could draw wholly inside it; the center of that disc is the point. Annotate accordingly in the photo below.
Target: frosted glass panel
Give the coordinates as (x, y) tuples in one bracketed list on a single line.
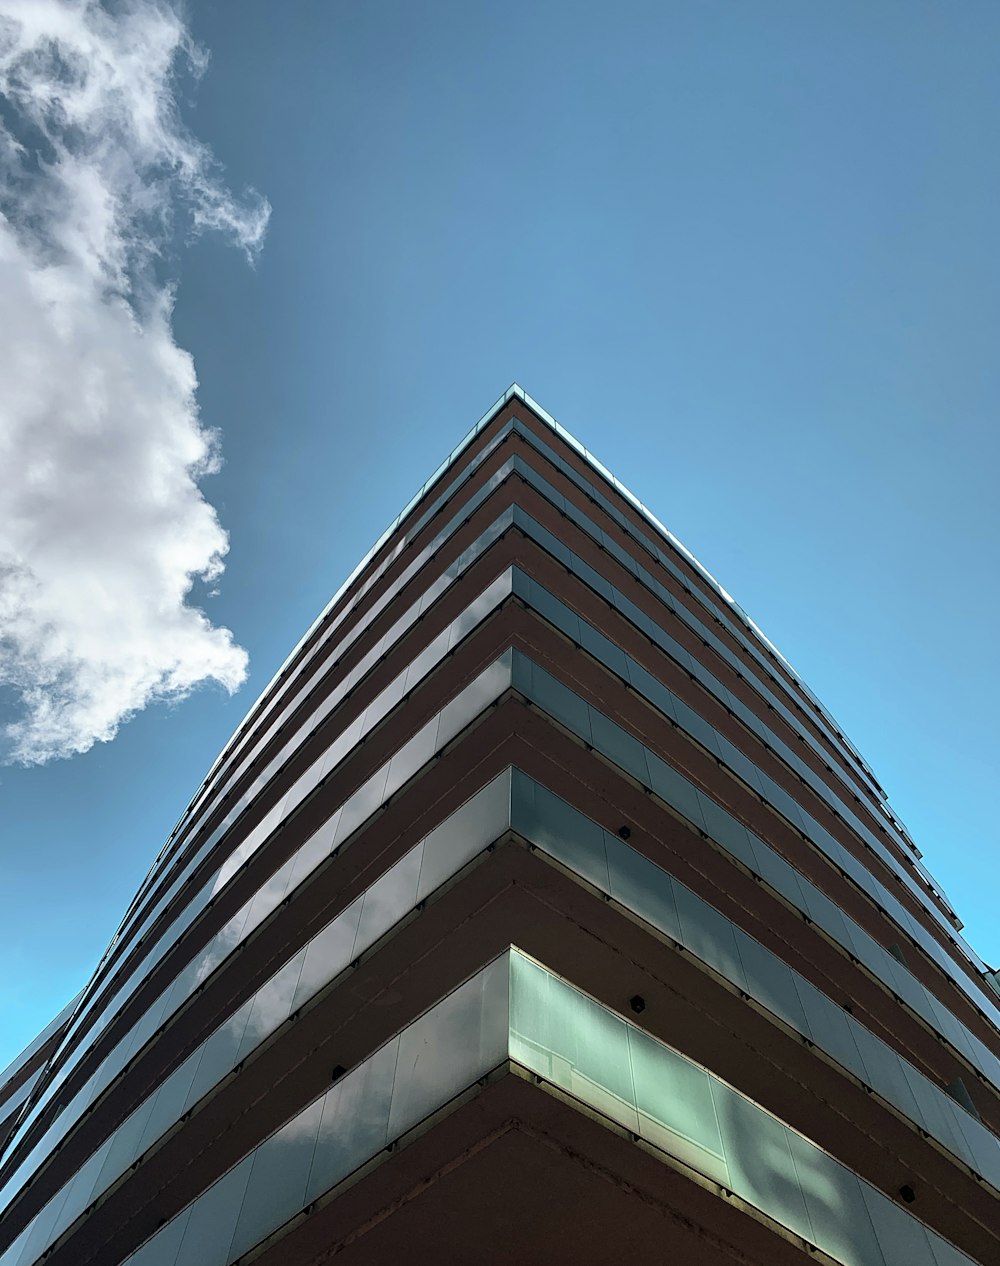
[(710, 1126), (760, 1160), (835, 1205), (515, 1005), (571, 1040), (675, 1106)]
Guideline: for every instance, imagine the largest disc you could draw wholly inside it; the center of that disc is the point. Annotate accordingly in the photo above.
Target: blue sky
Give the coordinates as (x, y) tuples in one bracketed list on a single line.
[(746, 253)]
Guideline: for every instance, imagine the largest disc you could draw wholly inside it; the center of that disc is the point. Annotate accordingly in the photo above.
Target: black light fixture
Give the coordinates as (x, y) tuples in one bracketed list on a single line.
[(638, 1003)]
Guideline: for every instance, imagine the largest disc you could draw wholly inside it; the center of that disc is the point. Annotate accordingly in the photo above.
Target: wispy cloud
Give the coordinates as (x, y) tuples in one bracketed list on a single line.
[(103, 527)]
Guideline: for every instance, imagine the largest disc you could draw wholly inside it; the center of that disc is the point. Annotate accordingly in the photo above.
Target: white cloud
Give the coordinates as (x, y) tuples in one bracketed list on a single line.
[(103, 527)]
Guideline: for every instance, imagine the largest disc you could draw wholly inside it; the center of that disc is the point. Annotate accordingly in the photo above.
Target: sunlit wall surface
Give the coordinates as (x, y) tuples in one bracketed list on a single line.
[(740, 1023)]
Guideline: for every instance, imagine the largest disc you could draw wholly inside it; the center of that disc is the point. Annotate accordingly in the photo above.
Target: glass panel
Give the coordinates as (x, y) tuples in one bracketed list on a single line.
[(124, 1142), (303, 785), (81, 1190), (210, 1227), (268, 898), (13, 1251), (148, 1025), (389, 898), (984, 1145), (361, 805), (40, 1232), (777, 872), (760, 1160), (903, 1239), (595, 580), (769, 980), (618, 745), (603, 649), (782, 801), (643, 888), (162, 1249), (170, 1098), (829, 1027), (198, 970), (822, 911), (272, 1005), (885, 1073), (675, 1106), (107, 1071), (938, 1114), (328, 953), (465, 834), (697, 727), (946, 1254), (739, 764), (426, 660), (411, 757), (867, 949), (646, 684), (908, 988), (560, 830), (553, 610), (725, 830), (355, 1120), (309, 856), (559, 702), (523, 674), (220, 1053), (474, 614), (947, 1023), (450, 1047), (851, 864), (277, 1186), (390, 696), (675, 789), (489, 685), (344, 743), (709, 935)]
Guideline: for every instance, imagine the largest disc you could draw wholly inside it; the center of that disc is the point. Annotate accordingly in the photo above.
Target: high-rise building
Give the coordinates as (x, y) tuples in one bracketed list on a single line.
[(537, 912)]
